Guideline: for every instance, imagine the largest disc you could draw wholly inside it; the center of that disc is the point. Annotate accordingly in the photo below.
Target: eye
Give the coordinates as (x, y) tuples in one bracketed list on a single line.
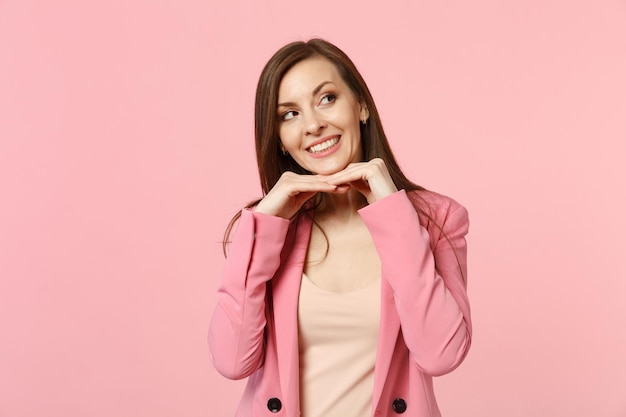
[(328, 98), (288, 115)]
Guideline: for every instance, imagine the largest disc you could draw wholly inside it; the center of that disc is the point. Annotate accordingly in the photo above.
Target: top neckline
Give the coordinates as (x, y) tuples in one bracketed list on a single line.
[(357, 290)]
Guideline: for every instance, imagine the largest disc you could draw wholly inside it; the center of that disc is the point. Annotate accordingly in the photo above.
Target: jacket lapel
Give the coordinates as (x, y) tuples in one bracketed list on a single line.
[(285, 291), (388, 335)]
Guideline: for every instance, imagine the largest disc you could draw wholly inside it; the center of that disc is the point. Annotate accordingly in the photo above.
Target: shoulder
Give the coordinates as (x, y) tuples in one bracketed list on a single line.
[(437, 211), (434, 201)]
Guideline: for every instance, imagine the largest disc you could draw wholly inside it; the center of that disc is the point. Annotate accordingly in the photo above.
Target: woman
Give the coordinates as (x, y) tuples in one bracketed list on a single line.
[(344, 291)]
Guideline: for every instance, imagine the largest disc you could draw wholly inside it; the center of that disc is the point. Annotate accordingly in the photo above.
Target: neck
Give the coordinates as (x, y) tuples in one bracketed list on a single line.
[(341, 206)]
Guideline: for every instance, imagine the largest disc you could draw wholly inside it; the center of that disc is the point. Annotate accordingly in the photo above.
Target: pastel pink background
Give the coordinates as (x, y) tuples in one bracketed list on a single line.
[(126, 145)]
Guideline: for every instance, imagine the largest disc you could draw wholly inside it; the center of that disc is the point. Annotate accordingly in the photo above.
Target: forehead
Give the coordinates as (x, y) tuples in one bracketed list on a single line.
[(306, 75)]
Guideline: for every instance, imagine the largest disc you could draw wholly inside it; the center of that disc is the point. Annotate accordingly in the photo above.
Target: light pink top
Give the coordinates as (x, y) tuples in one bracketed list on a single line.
[(338, 337)]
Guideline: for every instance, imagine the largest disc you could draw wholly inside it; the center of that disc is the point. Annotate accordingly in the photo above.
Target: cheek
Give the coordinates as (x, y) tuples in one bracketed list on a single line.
[(349, 117), (288, 136)]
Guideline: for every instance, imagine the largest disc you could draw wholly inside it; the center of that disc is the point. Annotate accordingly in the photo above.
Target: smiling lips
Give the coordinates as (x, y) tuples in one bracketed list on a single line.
[(321, 147)]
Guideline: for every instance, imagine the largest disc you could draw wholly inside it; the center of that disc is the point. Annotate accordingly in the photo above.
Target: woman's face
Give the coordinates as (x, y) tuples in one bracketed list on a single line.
[(319, 117)]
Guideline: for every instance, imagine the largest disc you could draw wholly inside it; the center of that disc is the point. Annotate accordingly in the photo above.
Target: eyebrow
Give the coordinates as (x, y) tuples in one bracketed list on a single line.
[(315, 91)]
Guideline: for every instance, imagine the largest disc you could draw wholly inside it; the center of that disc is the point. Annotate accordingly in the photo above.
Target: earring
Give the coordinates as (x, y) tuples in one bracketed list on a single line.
[(366, 117), (283, 150)]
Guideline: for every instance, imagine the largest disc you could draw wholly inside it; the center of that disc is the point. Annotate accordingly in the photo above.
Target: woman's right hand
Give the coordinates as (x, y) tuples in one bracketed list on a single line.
[(291, 191)]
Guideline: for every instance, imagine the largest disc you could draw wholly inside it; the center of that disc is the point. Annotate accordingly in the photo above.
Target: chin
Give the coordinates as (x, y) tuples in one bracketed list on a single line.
[(328, 167), (330, 170)]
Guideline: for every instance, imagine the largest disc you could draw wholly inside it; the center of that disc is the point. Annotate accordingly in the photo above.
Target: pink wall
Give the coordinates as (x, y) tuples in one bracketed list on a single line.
[(125, 146)]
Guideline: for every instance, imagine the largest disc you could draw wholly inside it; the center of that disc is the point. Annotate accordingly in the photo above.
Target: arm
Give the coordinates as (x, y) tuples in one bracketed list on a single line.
[(238, 323), (237, 329), (429, 289)]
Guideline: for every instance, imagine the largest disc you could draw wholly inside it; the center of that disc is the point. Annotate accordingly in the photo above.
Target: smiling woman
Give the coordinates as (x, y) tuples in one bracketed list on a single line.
[(344, 290)]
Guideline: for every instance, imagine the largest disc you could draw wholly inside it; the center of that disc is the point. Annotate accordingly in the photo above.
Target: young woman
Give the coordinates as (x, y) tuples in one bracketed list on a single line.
[(344, 289)]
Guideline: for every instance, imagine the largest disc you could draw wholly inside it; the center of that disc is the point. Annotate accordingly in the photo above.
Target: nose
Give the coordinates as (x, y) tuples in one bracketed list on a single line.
[(313, 124)]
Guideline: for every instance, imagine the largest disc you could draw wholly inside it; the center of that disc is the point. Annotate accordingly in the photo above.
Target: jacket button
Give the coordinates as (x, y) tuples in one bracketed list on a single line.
[(274, 405), (399, 405)]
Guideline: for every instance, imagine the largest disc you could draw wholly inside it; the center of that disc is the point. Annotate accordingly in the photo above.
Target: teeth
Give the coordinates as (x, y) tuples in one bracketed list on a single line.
[(324, 145)]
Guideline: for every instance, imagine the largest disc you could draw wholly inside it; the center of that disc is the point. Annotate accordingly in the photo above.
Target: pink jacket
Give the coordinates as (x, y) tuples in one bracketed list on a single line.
[(425, 325)]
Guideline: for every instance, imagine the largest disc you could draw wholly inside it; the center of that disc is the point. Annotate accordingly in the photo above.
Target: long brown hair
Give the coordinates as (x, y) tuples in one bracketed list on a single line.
[(272, 163)]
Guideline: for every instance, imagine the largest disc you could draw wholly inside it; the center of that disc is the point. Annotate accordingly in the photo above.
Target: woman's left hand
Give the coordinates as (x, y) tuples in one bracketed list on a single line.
[(371, 179)]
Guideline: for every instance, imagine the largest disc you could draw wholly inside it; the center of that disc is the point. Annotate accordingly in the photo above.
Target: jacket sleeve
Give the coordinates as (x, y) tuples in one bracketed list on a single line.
[(427, 278), (237, 327)]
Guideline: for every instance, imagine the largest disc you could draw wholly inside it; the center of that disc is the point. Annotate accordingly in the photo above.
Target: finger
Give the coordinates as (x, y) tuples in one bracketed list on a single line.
[(303, 187), (341, 189), (348, 175)]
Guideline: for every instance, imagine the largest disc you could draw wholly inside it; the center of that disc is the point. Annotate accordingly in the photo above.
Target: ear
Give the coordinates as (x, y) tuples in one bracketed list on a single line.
[(364, 114)]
